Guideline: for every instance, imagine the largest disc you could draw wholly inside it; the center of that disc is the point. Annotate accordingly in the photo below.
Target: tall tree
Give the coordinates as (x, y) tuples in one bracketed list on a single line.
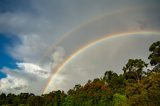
[(155, 55), (134, 69)]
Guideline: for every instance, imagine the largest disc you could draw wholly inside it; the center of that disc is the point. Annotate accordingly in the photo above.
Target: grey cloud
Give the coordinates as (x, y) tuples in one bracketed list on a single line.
[(16, 5), (19, 88)]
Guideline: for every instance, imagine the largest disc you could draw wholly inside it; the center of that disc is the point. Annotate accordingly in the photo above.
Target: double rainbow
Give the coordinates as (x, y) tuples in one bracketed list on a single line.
[(82, 49)]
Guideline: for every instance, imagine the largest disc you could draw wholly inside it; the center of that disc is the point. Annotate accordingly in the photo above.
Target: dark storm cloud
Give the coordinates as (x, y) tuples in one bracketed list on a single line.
[(15, 5)]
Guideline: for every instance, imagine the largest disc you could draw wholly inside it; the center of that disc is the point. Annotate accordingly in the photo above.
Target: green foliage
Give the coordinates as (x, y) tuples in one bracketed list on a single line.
[(155, 53), (133, 88), (147, 93), (69, 101), (35, 101), (134, 69), (119, 99)]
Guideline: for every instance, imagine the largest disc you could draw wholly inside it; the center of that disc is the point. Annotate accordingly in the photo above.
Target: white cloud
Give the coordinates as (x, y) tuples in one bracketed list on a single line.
[(27, 77), (33, 69), (12, 84), (30, 77)]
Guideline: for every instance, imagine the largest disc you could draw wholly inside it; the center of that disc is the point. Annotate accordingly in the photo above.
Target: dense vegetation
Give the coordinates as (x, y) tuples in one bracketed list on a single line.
[(137, 86)]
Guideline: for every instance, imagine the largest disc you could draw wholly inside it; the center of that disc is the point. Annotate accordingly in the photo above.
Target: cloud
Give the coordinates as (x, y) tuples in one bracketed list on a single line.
[(12, 84), (33, 69), (30, 77), (26, 78)]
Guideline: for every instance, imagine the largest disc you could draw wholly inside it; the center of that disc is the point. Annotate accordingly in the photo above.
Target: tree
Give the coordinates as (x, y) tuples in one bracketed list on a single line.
[(145, 94), (134, 69), (3, 96), (119, 100), (69, 101), (77, 87), (155, 55), (109, 75), (35, 101), (152, 87), (2, 99)]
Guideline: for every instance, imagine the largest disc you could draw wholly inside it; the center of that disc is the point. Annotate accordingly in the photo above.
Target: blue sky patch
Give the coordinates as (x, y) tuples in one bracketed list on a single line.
[(2, 75), (6, 60)]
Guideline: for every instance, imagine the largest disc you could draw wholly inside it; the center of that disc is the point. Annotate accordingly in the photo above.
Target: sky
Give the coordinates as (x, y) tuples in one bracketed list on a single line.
[(53, 44)]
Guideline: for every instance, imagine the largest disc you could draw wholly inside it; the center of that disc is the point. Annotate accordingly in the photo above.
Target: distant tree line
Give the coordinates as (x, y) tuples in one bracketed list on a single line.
[(137, 86)]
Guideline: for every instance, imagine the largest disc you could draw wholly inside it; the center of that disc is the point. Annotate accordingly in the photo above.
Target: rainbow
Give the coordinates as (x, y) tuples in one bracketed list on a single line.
[(85, 23), (80, 50)]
